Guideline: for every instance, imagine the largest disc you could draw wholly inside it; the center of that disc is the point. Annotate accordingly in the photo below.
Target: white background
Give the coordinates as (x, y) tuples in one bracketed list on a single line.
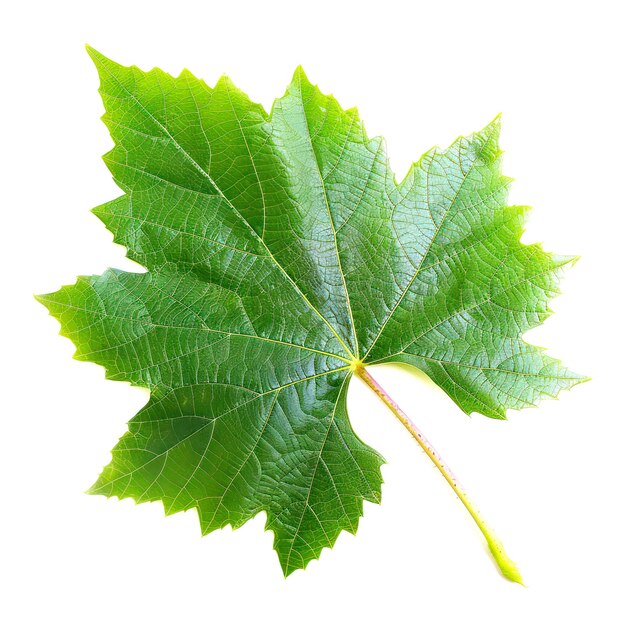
[(550, 480)]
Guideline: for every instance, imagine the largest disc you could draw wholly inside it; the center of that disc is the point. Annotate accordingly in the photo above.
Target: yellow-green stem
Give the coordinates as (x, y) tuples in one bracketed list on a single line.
[(507, 566)]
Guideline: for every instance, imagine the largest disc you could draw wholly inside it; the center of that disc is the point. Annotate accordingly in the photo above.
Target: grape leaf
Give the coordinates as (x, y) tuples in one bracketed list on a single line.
[(282, 257)]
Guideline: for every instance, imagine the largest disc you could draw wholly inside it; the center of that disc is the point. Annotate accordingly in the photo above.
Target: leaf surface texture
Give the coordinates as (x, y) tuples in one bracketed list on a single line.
[(280, 251)]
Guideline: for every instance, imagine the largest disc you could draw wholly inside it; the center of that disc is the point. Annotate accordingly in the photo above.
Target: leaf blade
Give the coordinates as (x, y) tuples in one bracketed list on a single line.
[(281, 254)]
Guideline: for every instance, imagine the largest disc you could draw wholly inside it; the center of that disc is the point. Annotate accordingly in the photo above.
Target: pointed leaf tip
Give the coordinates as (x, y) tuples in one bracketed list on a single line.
[(301, 75), (93, 53), (99, 59)]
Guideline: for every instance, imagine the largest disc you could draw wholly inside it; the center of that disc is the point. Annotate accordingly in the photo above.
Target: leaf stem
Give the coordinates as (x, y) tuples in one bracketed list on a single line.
[(505, 564)]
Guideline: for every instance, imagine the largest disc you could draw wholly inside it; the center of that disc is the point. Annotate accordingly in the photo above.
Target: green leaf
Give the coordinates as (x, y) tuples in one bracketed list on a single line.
[(281, 257)]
